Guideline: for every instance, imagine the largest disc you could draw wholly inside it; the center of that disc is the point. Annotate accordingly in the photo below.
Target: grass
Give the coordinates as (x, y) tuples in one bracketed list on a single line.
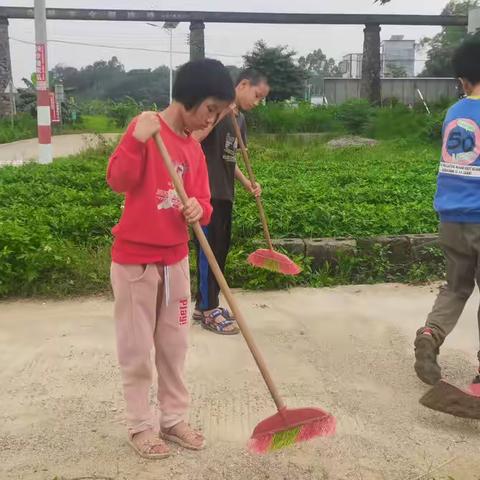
[(99, 124), (313, 191), (25, 127), (55, 220), (353, 117)]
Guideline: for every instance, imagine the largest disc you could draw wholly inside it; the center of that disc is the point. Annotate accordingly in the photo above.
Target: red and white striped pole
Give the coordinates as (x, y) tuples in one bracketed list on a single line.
[(43, 98)]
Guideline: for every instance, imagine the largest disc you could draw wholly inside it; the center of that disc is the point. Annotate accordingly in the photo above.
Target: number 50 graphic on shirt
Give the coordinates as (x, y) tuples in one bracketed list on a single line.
[(461, 142)]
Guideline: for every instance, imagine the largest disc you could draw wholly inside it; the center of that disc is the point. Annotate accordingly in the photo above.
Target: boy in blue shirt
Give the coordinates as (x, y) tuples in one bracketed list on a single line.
[(457, 202)]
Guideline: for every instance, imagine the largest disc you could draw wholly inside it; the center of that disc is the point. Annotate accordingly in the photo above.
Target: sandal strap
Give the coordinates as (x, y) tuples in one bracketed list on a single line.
[(187, 433), (210, 319), (226, 313), (223, 325), (215, 313), (148, 444)]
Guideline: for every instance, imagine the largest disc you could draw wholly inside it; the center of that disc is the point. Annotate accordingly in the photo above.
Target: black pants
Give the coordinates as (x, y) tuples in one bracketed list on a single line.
[(218, 233)]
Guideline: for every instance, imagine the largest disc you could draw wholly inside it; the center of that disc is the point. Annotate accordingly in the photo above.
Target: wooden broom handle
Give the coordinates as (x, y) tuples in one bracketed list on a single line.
[(253, 181), (202, 239)]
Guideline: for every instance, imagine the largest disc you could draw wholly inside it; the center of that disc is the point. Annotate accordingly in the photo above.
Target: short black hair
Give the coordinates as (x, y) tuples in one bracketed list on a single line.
[(253, 76), (198, 80), (466, 60)]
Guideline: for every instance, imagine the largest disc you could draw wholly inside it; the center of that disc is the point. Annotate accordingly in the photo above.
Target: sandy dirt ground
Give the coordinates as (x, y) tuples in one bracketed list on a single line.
[(23, 151), (347, 350)]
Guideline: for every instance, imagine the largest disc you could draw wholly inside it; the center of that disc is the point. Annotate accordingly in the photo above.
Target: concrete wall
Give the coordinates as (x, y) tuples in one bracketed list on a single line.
[(339, 90)]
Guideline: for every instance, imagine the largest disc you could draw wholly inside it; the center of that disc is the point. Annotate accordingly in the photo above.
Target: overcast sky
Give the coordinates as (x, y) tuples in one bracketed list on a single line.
[(227, 42)]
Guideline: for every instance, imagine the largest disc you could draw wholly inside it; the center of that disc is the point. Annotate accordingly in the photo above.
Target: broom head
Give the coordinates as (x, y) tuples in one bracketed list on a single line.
[(447, 398), (290, 426), (274, 261)]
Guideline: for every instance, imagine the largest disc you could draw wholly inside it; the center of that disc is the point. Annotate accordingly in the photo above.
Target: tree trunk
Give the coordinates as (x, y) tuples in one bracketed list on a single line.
[(371, 65)]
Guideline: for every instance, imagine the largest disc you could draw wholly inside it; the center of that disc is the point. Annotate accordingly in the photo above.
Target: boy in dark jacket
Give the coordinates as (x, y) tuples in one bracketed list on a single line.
[(220, 145)]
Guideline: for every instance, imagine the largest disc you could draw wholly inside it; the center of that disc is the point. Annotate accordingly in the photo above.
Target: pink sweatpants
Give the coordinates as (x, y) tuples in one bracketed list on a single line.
[(151, 312)]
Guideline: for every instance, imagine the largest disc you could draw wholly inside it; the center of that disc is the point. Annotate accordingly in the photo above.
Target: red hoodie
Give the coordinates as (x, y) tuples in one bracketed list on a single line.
[(152, 228)]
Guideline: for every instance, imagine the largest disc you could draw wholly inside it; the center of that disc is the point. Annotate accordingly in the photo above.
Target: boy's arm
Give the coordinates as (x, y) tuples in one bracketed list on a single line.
[(239, 175), (126, 165), (256, 190)]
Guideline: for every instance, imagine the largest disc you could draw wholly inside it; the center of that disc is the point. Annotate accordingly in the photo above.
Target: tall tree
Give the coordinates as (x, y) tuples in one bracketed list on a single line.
[(27, 97), (285, 76), (318, 66), (108, 80), (441, 46)]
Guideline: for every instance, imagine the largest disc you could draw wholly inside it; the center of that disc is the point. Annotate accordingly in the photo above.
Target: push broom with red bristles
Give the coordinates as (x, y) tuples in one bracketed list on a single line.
[(264, 258), (287, 426)]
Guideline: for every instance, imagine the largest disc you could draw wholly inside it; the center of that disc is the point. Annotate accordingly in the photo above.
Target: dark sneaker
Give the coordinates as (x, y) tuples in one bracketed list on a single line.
[(426, 366)]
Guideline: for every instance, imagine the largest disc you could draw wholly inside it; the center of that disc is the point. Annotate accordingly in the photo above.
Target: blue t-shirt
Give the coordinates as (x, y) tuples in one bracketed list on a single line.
[(458, 189)]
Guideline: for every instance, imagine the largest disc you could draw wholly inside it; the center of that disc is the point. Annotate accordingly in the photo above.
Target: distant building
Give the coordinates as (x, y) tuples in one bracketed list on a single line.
[(351, 65), (398, 57)]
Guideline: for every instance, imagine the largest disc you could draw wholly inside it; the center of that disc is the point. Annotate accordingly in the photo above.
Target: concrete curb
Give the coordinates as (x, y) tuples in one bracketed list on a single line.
[(399, 249)]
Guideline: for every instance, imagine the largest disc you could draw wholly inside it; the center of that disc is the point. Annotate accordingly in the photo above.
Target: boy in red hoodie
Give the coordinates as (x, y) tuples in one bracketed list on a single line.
[(150, 272)]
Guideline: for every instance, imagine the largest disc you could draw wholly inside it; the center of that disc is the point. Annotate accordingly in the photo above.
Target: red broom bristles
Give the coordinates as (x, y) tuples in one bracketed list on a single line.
[(323, 427), (274, 261)]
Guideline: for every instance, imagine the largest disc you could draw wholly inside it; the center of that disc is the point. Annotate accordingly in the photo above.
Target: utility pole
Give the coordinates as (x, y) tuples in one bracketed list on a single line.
[(169, 27), (197, 40), (43, 99), (13, 106)]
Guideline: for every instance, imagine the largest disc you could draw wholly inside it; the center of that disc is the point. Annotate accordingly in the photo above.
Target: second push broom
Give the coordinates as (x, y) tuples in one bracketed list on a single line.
[(266, 258)]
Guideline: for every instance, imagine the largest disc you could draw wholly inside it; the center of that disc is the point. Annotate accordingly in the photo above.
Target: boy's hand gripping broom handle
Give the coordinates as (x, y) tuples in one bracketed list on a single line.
[(253, 181), (202, 239)]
